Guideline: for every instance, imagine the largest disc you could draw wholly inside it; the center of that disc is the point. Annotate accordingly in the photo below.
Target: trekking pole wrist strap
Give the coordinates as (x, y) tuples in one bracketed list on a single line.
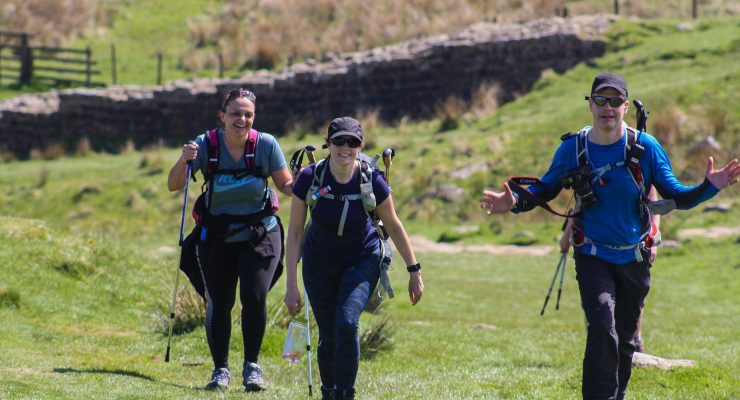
[(414, 268)]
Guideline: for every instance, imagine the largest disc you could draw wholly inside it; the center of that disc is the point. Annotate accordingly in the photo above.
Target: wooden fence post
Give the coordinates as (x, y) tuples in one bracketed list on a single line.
[(159, 68), (220, 65), (26, 61), (694, 8), (114, 73), (616, 7), (88, 65)]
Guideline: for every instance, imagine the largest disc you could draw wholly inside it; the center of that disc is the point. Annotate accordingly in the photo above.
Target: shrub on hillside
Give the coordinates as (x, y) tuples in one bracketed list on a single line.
[(449, 113)]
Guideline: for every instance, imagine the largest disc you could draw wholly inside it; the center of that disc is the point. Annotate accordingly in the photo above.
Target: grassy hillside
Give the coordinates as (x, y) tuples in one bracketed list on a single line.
[(88, 245), (271, 34)]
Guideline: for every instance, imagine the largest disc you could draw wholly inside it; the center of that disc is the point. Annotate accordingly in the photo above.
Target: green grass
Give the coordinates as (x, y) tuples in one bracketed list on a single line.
[(94, 334)]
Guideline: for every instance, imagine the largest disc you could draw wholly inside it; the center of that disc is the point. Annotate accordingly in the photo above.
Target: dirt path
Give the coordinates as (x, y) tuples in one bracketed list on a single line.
[(714, 232), (422, 244)]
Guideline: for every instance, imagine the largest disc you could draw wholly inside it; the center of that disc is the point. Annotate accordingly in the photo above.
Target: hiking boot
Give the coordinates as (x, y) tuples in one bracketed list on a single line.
[(327, 394), (344, 394), (219, 379), (253, 380)]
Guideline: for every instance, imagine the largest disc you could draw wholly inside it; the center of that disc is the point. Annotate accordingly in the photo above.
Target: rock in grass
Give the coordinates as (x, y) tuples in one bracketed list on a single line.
[(650, 361)]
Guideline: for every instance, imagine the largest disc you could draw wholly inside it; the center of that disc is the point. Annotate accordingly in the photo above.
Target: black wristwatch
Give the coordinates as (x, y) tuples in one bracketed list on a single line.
[(413, 268)]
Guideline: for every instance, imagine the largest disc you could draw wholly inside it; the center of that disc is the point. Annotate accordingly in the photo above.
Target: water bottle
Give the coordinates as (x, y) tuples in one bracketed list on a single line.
[(295, 344)]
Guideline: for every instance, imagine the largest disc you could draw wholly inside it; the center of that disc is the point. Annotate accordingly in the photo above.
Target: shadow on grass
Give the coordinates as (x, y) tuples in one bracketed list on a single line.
[(114, 372)]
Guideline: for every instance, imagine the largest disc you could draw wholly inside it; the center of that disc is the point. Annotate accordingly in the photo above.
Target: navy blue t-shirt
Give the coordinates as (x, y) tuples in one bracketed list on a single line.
[(359, 237)]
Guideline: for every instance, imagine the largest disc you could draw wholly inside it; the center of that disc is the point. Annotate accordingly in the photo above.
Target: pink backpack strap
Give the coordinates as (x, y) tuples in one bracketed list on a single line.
[(213, 152), (250, 150)]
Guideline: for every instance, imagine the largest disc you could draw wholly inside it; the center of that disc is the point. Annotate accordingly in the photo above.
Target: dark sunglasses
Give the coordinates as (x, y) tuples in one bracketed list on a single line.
[(602, 100), (351, 142)]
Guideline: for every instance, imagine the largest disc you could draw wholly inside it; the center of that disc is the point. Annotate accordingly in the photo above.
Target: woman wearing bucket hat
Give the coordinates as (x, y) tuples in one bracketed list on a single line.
[(239, 236), (341, 251), (609, 166)]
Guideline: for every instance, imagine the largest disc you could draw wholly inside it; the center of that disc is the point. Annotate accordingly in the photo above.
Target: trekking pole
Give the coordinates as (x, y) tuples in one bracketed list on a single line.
[(563, 260), (388, 155), (552, 283), (177, 271), (308, 345)]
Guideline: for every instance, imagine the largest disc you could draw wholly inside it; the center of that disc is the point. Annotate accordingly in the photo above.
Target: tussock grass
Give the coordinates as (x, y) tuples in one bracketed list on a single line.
[(9, 298), (190, 309), (376, 336), (53, 22)]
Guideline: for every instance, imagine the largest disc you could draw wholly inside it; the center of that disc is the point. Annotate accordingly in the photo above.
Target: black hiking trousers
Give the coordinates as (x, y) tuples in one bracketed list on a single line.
[(254, 267), (611, 296)]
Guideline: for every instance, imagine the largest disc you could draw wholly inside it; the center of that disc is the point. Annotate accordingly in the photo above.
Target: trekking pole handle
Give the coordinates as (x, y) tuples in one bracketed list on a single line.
[(309, 153), (642, 115), (388, 155)]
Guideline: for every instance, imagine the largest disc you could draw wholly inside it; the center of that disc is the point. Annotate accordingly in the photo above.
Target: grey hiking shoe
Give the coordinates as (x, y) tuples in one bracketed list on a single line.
[(253, 380), (219, 379)]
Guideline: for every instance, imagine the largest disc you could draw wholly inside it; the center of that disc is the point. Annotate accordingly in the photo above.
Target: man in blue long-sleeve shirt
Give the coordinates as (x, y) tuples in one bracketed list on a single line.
[(613, 232)]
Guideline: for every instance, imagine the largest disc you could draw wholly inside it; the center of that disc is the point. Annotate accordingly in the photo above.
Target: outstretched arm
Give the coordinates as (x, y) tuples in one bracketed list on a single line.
[(686, 197), (393, 226)]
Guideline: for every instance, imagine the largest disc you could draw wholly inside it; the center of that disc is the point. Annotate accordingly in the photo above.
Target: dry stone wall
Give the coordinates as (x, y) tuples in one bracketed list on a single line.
[(407, 79)]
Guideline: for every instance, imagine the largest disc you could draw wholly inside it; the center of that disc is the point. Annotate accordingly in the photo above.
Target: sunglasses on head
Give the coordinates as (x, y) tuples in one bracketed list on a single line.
[(349, 141), (235, 94), (602, 100)]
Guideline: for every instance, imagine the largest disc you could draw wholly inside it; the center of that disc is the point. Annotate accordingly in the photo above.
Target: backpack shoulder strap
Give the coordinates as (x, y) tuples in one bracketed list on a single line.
[(250, 150), (633, 152), (582, 148), (213, 153), (366, 172), (568, 135)]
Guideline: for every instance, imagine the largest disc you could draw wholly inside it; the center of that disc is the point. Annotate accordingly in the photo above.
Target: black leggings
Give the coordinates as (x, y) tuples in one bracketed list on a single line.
[(255, 268)]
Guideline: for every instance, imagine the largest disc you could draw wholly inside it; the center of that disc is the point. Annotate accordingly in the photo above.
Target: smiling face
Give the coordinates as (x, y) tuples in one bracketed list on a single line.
[(606, 117), (238, 116), (345, 154)]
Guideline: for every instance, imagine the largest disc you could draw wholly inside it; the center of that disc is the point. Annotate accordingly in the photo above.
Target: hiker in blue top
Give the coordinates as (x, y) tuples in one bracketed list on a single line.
[(613, 234), (341, 251), (240, 237)]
